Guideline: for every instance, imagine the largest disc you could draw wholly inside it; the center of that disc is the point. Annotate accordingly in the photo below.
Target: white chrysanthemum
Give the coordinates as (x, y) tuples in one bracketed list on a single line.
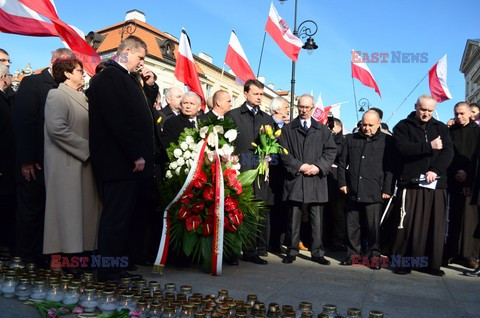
[(187, 154), (184, 146), (173, 165), (231, 135), (189, 140), (169, 174), (187, 170), (180, 162), (177, 153), (177, 171)]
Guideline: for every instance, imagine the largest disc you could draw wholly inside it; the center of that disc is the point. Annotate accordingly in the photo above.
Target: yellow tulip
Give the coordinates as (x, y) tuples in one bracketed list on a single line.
[(254, 144), (285, 151), (278, 133), (269, 130), (159, 120)]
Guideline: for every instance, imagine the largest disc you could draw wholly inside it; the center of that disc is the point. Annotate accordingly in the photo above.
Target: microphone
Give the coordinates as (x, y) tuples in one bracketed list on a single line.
[(422, 179)]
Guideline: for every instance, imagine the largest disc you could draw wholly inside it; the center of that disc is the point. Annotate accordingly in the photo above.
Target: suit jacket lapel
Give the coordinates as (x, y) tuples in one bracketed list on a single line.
[(79, 97)]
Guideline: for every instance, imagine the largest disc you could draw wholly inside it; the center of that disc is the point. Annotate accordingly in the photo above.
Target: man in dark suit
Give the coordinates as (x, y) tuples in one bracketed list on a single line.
[(172, 109), (7, 164), (221, 104), (367, 182), (121, 145), (248, 118), (189, 105), (311, 153), (28, 122)]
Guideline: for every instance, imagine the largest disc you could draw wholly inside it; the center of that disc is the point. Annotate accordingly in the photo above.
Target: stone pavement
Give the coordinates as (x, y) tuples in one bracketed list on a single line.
[(414, 295)]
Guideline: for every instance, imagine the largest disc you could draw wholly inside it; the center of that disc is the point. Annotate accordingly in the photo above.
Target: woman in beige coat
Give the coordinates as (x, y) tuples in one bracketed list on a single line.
[(72, 204)]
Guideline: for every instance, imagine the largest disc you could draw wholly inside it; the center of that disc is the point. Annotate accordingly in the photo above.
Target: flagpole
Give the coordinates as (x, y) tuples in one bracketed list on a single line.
[(223, 70), (261, 53), (396, 109), (355, 97)]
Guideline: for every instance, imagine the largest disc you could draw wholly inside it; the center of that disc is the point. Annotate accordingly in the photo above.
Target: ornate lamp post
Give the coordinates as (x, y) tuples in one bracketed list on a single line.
[(363, 102), (302, 32)]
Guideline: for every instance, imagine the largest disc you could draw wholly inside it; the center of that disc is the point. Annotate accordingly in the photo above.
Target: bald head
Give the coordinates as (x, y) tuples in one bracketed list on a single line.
[(222, 102), (370, 123)]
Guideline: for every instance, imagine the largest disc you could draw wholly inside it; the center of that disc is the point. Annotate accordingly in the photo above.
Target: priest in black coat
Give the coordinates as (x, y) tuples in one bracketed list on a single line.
[(311, 153), (248, 118)]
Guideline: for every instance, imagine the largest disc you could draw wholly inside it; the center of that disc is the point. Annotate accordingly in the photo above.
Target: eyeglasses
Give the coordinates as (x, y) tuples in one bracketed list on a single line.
[(79, 70), (304, 107), (5, 60), (7, 75)]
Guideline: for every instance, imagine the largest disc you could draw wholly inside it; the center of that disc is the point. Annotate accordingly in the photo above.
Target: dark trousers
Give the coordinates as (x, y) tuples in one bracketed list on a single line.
[(463, 219), (30, 218), (335, 228), (423, 231), (315, 211), (278, 224), (8, 205), (368, 215), (119, 201), (263, 231)]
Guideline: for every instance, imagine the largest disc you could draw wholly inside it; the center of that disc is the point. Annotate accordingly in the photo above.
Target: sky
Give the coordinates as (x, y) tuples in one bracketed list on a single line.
[(431, 28)]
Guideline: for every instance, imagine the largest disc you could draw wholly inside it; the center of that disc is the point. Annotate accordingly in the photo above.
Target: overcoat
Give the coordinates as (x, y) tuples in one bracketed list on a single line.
[(72, 205), (317, 147), (7, 147), (248, 127)]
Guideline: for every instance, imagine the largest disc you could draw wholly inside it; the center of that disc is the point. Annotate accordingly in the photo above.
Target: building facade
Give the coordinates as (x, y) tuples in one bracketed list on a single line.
[(470, 67)]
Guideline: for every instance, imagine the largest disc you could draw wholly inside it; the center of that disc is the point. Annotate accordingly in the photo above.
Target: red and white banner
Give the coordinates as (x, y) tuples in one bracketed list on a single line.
[(185, 70), (437, 79), (361, 72), (321, 115), (16, 18), (237, 60), (281, 34)]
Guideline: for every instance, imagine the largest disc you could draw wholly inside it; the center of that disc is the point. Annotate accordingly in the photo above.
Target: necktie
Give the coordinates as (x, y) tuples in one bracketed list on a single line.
[(194, 122), (305, 127), (254, 111)]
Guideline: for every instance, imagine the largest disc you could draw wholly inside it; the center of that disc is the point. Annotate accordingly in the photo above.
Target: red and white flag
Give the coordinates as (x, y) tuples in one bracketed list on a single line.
[(281, 34), (361, 72), (16, 18), (437, 78), (237, 60), (185, 70), (46, 8)]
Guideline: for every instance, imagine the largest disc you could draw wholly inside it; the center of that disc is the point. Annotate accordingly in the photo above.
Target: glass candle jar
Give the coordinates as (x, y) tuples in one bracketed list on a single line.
[(304, 307), (354, 313), (89, 300), (126, 302), (8, 285), (72, 296), (23, 289), (330, 310), (55, 292), (39, 290), (108, 302)]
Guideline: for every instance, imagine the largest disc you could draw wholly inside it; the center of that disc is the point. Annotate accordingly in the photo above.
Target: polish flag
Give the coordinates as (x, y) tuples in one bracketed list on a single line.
[(361, 72), (237, 60), (16, 18), (185, 70), (67, 33), (437, 78), (281, 34)]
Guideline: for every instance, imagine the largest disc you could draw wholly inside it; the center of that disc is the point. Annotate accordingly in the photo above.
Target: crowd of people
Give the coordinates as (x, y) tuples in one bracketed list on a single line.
[(79, 171)]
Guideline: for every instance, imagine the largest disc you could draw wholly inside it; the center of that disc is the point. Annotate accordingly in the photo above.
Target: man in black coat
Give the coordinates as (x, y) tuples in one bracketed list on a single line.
[(461, 247), (311, 152), (367, 181), (7, 164), (424, 151), (28, 122), (221, 104), (189, 105), (122, 134), (173, 107), (248, 118)]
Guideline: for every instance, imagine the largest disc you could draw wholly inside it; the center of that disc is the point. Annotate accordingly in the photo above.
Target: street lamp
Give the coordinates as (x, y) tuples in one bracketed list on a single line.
[(363, 102), (302, 32)]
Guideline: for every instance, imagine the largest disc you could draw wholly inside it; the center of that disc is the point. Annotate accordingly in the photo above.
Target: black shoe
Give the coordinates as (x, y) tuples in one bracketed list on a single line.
[(289, 259), (255, 259), (474, 273), (232, 261), (346, 262), (320, 260), (402, 271), (435, 272), (264, 254)]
